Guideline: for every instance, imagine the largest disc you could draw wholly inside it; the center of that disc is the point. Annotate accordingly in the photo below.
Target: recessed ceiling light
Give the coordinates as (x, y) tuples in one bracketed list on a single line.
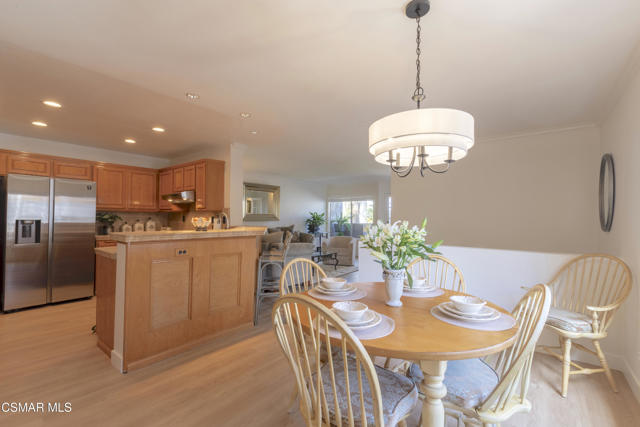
[(157, 129), (130, 141), (192, 96), (39, 123), (53, 104), (245, 115), (253, 132)]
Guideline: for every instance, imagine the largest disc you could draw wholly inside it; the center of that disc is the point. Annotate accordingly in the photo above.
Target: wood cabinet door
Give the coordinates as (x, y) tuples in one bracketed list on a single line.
[(71, 169), (165, 186), (3, 164), (28, 165), (189, 178), (201, 186), (143, 192), (178, 179), (111, 192)]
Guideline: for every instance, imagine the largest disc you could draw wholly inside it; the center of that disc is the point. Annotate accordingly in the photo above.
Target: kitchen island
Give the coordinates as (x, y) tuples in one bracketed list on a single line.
[(160, 293)]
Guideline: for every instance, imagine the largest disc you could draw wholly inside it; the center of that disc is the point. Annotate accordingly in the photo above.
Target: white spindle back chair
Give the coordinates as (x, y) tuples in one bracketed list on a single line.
[(302, 348), (513, 365), (440, 272), (300, 275), (595, 286)]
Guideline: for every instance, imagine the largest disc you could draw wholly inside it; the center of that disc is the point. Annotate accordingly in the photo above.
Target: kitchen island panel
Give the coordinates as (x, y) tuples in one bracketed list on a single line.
[(178, 293)]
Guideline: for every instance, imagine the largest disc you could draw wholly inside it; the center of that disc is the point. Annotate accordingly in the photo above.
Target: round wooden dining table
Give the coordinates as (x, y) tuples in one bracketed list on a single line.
[(419, 336)]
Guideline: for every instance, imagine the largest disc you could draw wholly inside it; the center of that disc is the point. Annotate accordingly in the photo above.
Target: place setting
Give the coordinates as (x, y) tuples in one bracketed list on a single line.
[(365, 323), (420, 289), (336, 289), (473, 313)]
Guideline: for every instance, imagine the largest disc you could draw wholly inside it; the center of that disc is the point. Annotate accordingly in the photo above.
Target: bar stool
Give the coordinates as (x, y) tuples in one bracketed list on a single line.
[(268, 286)]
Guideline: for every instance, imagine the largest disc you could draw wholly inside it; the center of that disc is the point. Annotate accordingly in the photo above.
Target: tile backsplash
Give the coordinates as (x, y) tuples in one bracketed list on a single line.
[(176, 218), (161, 219)]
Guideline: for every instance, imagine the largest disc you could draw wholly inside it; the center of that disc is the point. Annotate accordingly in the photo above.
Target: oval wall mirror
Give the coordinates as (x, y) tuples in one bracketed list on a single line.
[(607, 193)]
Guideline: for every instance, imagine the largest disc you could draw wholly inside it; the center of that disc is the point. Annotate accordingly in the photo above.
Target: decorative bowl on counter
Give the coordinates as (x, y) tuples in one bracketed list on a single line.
[(200, 223)]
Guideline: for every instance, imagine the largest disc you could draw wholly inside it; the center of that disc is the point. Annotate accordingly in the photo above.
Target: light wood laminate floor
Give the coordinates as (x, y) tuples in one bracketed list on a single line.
[(240, 379)]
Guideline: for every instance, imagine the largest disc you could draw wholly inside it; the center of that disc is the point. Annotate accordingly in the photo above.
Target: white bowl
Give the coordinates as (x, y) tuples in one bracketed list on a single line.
[(467, 304), (419, 282), (350, 310), (333, 282)]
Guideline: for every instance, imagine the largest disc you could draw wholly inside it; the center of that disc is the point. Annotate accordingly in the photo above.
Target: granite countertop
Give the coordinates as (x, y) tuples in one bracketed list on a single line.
[(103, 237), (109, 252), (151, 236)]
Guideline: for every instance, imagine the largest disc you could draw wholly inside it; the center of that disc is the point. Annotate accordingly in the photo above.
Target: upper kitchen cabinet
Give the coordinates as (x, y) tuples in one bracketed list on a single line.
[(189, 182), (165, 186), (209, 185), (111, 192), (184, 178), (28, 165), (206, 177), (3, 163), (143, 192), (73, 169), (178, 180), (122, 188)]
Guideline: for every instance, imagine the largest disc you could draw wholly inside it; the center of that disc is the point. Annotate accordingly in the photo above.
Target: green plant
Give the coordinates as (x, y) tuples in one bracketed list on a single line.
[(395, 245), (107, 218), (315, 222), (343, 225)]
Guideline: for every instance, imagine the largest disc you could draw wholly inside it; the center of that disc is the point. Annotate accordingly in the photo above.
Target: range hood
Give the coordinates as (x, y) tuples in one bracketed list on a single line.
[(181, 198)]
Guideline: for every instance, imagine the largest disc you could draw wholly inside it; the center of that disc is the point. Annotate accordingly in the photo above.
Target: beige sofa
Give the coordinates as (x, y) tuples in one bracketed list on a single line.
[(344, 246)]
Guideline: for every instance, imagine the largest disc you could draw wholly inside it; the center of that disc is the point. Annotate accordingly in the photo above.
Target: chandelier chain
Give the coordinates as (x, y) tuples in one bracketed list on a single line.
[(418, 94)]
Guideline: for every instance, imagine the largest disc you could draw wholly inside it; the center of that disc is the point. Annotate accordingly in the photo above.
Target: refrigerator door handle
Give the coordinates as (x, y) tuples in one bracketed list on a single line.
[(50, 240)]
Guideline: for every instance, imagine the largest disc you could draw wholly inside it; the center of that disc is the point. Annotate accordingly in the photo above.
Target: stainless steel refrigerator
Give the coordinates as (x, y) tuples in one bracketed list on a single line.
[(48, 240)]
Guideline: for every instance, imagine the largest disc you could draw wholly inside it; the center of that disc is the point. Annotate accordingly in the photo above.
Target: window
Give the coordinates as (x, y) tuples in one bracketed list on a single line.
[(350, 217), (388, 209)]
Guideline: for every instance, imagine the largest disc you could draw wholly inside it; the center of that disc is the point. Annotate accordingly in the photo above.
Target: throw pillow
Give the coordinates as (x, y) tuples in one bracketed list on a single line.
[(306, 238), (287, 238), (273, 237), (296, 237), (288, 228), (273, 230)]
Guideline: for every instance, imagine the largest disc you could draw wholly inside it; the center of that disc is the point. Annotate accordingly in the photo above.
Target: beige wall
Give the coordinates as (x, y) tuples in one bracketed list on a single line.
[(535, 193), (621, 137), (298, 197)]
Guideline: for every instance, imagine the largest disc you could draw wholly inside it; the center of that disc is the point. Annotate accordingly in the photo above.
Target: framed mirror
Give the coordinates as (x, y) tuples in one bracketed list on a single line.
[(607, 192), (261, 202)]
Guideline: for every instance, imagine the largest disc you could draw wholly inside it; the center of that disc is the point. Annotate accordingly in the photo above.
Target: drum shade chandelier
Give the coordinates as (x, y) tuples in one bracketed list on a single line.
[(430, 138)]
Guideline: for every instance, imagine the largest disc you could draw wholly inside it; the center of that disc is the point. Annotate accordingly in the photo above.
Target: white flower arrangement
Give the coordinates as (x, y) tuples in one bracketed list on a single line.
[(395, 245)]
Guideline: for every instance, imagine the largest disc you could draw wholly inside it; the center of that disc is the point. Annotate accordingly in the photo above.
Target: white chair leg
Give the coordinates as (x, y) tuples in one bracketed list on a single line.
[(605, 366), (566, 364)]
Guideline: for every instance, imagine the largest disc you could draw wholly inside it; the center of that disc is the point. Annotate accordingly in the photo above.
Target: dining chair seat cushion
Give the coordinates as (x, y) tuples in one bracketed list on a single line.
[(569, 320), (399, 394), (469, 382)]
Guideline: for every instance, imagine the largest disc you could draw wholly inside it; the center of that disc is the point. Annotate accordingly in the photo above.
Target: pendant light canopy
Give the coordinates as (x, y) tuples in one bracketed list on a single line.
[(421, 138)]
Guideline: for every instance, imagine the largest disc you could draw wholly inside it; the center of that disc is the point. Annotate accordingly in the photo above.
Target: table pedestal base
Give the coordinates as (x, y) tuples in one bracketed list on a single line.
[(434, 390)]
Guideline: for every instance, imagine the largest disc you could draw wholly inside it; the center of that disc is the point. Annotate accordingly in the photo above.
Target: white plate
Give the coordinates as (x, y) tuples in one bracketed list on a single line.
[(483, 313), (468, 319), (368, 317), (339, 292), (421, 290), (374, 322)]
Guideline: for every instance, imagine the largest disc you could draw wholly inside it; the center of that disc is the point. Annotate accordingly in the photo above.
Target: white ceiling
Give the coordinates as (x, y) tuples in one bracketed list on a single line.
[(313, 74)]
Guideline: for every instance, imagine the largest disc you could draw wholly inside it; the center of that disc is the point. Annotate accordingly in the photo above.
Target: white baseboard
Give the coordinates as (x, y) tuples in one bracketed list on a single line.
[(117, 361), (632, 379)]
